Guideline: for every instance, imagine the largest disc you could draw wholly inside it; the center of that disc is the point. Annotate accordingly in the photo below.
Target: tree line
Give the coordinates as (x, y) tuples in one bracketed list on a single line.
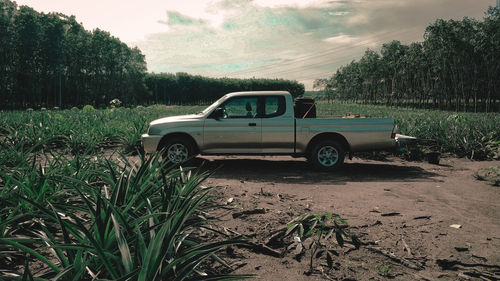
[(183, 88), (456, 67), (50, 60)]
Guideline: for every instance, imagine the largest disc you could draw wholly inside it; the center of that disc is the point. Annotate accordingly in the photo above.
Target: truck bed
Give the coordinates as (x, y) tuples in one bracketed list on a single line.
[(361, 133)]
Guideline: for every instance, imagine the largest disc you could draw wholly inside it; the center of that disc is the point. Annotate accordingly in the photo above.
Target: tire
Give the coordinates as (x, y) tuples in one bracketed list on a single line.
[(178, 151), (327, 155)]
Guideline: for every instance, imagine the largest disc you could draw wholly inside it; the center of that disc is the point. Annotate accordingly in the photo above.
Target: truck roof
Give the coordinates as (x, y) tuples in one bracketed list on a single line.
[(257, 93)]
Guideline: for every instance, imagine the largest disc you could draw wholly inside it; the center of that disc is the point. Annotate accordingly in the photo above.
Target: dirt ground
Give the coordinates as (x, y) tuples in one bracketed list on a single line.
[(402, 211)]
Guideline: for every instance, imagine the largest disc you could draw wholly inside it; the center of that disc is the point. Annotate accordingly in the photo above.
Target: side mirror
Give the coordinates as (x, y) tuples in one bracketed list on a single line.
[(218, 113)]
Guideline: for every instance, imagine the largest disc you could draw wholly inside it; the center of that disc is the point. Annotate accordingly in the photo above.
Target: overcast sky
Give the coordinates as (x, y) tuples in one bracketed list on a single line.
[(292, 39)]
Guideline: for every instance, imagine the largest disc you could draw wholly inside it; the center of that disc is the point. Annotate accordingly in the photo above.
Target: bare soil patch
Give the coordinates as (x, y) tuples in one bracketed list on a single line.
[(402, 211)]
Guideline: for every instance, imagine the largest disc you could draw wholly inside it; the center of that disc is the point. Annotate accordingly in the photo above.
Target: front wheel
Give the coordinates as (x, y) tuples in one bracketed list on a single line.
[(178, 151), (327, 155)]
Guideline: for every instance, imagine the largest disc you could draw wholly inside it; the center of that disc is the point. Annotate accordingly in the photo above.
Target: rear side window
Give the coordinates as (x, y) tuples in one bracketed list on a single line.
[(274, 106)]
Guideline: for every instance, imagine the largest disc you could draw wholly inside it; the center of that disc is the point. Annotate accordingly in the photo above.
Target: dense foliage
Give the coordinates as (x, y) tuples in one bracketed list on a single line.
[(78, 131), (51, 60), (182, 88), (456, 67), (88, 218)]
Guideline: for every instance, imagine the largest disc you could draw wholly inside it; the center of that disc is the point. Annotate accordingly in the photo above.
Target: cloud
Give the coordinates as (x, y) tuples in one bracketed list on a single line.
[(396, 14), (176, 18), (299, 40), (340, 39), (294, 3), (249, 29), (291, 39)]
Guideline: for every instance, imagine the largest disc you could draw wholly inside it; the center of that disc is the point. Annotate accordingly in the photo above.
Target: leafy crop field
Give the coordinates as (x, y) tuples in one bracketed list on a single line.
[(86, 131), (71, 211), (473, 135), (67, 212)]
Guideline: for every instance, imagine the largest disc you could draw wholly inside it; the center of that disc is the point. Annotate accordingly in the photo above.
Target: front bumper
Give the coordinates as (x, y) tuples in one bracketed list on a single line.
[(150, 142)]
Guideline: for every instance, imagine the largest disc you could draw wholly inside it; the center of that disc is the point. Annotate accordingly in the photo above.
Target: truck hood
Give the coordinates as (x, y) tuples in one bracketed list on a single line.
[(175, 119)]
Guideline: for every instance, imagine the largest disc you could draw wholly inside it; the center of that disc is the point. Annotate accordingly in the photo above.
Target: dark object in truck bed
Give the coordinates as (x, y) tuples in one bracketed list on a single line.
[(305, 108)]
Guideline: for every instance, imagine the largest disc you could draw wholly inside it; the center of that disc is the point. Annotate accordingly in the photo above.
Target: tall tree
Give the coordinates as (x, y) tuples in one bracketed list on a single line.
[(455, 67)]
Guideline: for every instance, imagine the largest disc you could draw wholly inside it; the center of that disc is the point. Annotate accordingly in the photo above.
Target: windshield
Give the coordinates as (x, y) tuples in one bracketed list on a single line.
[(212, 106)]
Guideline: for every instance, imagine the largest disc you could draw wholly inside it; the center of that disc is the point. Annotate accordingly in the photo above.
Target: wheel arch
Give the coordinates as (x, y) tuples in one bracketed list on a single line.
[(184, 136), (328, 136)]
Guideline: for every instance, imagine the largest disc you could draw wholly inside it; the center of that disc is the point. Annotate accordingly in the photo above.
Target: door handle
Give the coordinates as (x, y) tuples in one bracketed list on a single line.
[(252, 124)]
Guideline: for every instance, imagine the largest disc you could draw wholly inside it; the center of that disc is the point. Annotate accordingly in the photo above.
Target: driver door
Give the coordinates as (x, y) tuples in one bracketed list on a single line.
[(239, 131)]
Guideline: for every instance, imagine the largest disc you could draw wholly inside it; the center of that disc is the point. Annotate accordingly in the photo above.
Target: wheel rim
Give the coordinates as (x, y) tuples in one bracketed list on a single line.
[(177, 153), (328, 156)]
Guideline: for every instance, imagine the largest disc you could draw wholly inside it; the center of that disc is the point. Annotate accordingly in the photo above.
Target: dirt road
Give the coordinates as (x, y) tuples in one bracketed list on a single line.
[(402, 211)]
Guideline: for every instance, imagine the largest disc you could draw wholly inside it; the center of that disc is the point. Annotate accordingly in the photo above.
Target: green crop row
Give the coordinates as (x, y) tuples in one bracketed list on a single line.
[(473, 135), (77, 131)]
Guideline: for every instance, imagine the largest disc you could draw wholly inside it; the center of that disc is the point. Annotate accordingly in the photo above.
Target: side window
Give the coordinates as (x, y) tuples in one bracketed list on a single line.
[(274, 106), (245, 107)]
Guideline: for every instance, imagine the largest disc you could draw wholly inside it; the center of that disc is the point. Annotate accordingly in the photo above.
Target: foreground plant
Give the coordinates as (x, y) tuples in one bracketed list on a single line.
[(124, 222), (320, 234)]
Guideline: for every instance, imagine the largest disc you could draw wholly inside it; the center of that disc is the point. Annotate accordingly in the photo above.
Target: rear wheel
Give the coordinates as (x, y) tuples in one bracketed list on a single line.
[(327, 155), (178, 150)]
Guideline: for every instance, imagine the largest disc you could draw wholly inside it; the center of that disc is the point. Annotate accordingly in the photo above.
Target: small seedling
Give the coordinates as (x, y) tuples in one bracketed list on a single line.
[(383, 270), (314, 232)]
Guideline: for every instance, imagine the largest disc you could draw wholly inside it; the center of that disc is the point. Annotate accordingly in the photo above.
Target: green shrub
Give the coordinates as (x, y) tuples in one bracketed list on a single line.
[(88, 108)]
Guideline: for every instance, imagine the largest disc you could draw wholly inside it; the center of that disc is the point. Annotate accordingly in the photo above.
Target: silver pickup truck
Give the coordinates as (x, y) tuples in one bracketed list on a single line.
[(266, 122)]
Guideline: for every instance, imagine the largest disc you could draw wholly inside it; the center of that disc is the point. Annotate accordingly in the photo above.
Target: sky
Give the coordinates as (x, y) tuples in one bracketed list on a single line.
[(299, 40)]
